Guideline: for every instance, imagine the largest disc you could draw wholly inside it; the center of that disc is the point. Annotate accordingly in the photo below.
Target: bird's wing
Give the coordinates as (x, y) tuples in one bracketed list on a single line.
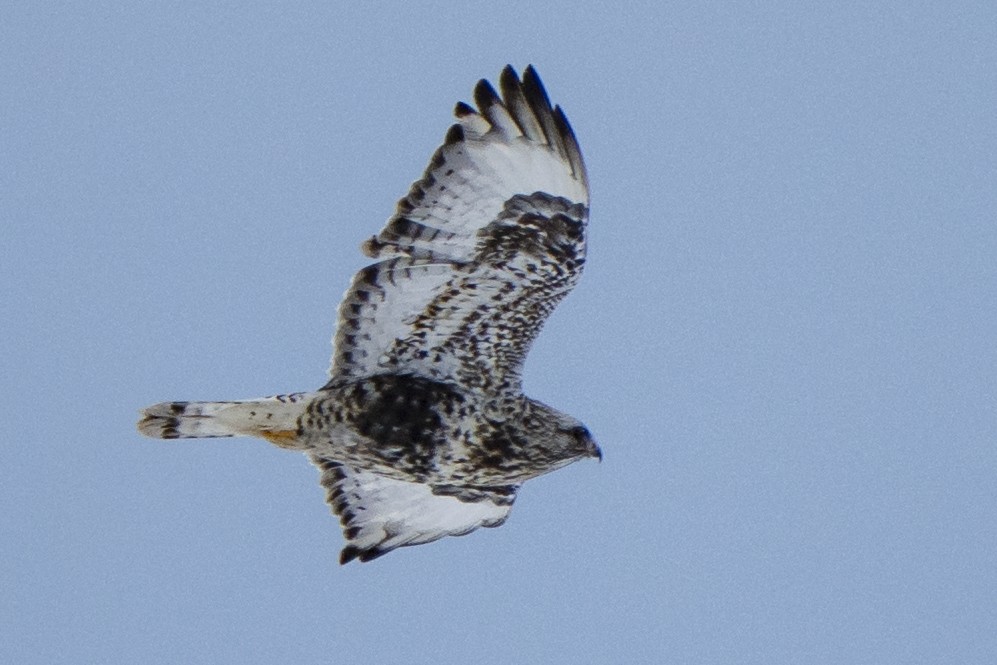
[(380, 514), (478, 253)]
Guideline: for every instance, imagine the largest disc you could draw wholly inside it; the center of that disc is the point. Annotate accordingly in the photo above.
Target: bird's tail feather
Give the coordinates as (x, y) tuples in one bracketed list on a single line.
[(272, 418)]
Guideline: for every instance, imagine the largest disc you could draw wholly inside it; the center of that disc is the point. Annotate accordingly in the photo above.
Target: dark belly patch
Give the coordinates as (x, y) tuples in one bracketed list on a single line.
[(405, 418)]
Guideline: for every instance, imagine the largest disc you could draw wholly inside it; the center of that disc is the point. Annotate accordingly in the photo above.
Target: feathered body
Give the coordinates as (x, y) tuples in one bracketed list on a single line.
[(422, 430)]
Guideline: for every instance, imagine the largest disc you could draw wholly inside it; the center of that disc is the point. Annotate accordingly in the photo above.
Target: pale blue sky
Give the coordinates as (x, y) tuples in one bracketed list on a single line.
[(784, 341)]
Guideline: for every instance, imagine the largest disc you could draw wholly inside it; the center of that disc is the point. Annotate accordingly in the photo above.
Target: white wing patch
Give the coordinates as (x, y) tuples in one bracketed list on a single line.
[(380, 514), (516, 144)]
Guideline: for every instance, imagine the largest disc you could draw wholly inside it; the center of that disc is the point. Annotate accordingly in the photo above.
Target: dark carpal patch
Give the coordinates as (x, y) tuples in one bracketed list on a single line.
[(503, 495)]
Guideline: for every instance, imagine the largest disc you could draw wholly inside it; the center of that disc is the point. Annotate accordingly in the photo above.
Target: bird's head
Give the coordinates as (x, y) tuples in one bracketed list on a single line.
[(563, 435), (580, 441)]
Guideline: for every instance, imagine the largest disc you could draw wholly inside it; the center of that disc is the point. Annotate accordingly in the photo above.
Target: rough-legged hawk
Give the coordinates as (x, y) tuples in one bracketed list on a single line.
[(423, 430)]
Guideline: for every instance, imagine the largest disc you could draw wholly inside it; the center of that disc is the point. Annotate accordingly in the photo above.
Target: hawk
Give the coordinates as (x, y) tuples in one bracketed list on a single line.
[(422, 430)]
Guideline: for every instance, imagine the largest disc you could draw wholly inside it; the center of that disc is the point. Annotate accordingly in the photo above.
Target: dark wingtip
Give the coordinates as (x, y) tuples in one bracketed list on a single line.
[(485, 95), (349, 553), (352, 552), (563, 126), (454, 135), (371, 554), (508, 78), (534, 88)]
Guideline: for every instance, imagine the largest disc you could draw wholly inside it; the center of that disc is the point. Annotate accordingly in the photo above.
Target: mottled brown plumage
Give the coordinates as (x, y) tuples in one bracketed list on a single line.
[(422, 430)]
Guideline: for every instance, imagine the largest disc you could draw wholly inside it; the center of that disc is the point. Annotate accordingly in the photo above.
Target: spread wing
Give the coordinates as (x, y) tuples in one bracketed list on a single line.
[(380, 514), (478, 253)]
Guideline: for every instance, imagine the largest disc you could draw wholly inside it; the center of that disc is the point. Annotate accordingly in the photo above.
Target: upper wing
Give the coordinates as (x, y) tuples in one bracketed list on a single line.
[(379, 514), (479, 251)]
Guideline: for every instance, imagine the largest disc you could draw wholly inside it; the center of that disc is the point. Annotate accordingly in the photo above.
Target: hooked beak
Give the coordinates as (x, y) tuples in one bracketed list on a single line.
[(595, 451)]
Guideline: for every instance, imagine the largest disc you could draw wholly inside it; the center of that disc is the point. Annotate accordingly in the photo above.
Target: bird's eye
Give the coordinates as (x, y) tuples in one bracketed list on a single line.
[(581, 433)]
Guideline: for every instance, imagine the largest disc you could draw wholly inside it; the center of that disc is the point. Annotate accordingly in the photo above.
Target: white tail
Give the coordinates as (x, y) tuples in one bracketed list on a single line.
[(271, 418)]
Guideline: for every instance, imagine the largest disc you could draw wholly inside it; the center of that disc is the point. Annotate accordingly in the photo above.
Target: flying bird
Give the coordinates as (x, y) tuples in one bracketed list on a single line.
[(422, 430)]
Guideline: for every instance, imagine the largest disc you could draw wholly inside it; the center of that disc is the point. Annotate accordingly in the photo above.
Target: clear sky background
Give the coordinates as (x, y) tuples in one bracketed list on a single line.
[(784, 340)]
